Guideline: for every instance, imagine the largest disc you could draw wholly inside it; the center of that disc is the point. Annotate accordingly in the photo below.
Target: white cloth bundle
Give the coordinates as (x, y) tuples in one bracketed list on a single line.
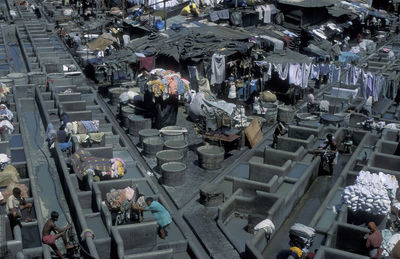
[(267, 225), (387, 248), (324, 106), (370, 193)]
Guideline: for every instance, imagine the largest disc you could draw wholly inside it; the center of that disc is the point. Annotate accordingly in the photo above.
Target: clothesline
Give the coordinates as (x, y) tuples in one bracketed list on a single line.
[(371, 83)]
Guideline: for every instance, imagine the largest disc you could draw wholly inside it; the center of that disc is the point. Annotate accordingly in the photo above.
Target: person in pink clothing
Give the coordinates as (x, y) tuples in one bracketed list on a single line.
[(49, 239)]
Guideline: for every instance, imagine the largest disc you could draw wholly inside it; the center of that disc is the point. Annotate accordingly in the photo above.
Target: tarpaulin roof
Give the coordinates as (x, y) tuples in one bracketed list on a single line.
[(307, 3), (102, 42)]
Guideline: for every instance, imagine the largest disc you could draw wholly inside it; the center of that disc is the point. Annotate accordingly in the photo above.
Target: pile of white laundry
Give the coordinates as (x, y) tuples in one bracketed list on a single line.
[(370, 193)]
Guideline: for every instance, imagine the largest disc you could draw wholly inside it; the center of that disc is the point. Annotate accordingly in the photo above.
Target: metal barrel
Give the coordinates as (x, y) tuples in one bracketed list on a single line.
[(166, 156), (179, 145), (125, 112), (18, 78), (152, 145), (114, 94), (146, 133), (173, 173), (174, 134), (137, 123), (210, 157), (38, 78)]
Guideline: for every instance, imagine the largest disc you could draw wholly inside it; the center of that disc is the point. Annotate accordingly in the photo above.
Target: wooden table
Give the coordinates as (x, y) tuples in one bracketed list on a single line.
[(221, 138)]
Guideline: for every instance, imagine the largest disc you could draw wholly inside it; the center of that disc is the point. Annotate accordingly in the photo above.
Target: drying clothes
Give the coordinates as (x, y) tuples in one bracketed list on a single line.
[(278, 68), (266, 13), (96, 136), (334, 74), (91, 126), (193, 74), (82, 138), (355, 75), (83, 162), (117, 167), (269, 71), (379, 83), (5, 113), (81, 128), (260, 11), (278, 44), (148, 63), (223, 14), (285, 72), (324, 69), (217, 69), (305, 74), (204, 85), (129, 193), (314, 71), (64, 146), (364, 83), (370, 83), (347, 74), (4, 161), (214, 16), (295, 74)]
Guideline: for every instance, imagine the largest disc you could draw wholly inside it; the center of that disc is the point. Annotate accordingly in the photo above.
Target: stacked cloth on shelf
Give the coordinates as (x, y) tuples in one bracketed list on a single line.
[(5, 113), (301, 236), (389, 242), (83, 163), (371, 193)]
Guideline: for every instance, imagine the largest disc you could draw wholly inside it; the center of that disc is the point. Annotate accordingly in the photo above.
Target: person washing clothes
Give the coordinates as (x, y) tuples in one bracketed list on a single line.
[(374, 240), (160, 213), (328, 153), (312, 103), (280, 130), (49, 239)]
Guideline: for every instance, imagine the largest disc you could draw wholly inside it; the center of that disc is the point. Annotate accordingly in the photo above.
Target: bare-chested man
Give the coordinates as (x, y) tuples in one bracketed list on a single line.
[(49, 239)]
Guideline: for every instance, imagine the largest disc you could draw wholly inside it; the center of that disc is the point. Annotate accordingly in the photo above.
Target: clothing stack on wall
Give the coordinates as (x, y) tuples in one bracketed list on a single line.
[(301, 236), (371, 193)]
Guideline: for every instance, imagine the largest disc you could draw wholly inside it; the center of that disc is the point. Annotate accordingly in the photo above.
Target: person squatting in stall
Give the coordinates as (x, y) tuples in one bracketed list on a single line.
[(374, 240), (15, 205), (328, 152), (49, 239)]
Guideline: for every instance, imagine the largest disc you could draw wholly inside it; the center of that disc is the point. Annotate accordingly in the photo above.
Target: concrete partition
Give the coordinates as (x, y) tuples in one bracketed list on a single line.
[(287, 143), (331, 253), (78, 115), (303, 132), (386, 147), (292, 153), (159, 254), (262, 172), (385, 161), (240, 213), (389, 135), (349, 238), (134, 238)]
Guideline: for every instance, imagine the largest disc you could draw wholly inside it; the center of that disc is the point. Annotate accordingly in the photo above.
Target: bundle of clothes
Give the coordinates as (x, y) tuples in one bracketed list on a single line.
[(167, 82), (390, 244), (89, 138), (8, 173), (6, 117), (82, 127), (84, 163), (301, 236), (371, 193), (123, 202)]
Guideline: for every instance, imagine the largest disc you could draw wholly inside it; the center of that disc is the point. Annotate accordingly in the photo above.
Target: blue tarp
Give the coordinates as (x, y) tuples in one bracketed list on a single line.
[(348, 57)]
